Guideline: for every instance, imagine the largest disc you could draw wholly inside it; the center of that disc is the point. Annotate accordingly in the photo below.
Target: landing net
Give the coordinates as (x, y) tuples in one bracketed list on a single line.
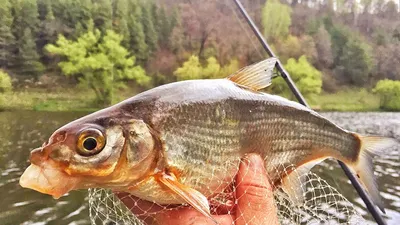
[(323, 204)]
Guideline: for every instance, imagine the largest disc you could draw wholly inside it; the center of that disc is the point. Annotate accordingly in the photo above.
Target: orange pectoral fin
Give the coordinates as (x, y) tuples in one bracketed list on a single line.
[(190, 195)]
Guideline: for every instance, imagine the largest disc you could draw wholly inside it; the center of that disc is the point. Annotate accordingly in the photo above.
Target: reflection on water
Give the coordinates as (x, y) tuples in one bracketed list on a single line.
[(22, 131), (19, 133)]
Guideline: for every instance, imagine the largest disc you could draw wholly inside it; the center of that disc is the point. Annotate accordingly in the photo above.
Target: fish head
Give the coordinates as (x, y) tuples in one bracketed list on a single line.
[(84, 154)]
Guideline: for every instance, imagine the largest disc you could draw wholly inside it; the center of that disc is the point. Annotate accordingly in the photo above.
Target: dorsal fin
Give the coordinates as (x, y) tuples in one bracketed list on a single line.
[(256, 76)]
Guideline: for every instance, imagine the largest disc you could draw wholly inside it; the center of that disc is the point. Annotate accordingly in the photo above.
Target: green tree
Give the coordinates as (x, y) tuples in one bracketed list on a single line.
[(149, 29), (229, 68), (137, 36), (70, 13), (323, 47), (190, 70), (7, 39), (276, 19), (355, 63), (177, 39), (5, 82), (212, 69), (26, 15), (28, 58), (48, 28), (102, 14), (340, 35), (307, 78), (166, 25), (101, 64), (389, 92), (120, 16)]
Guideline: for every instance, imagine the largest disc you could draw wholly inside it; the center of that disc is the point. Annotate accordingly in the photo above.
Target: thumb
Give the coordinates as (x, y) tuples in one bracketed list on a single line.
[(255, 199)]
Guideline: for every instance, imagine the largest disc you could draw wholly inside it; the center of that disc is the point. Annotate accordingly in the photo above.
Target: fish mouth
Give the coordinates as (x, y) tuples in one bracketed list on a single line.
[(48, 180)]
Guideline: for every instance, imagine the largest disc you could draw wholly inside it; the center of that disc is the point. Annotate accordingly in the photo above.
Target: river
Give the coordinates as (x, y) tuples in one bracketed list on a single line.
[(22, 131)]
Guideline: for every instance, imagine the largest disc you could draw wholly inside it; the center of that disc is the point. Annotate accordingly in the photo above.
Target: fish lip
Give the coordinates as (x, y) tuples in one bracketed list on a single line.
[(48, 180)]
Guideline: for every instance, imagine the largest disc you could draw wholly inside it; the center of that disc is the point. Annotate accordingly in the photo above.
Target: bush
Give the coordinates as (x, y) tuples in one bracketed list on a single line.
[(389, 93), (5, 82), (307, 78), (192, 69)]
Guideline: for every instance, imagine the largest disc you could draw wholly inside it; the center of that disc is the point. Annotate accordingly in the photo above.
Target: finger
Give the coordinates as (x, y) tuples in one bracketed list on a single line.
[(189, 216), (254, 194), (224, 208)]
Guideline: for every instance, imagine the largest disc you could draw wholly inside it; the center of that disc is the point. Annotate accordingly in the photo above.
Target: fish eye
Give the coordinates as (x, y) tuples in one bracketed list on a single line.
[(90, 142)]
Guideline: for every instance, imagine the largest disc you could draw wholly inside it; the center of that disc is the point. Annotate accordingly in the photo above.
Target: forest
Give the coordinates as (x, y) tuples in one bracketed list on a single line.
[(82, 54)]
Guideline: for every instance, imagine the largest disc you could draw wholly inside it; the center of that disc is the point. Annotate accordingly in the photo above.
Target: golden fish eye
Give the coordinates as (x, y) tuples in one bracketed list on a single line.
[(90, 142)]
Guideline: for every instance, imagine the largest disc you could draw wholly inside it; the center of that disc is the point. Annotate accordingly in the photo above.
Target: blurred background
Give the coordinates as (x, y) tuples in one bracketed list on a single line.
[(58, 55), (61, 59)]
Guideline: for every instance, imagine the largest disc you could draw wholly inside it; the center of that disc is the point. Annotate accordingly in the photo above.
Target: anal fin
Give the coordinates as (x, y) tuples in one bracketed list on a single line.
[(190, 195), (294, 183)]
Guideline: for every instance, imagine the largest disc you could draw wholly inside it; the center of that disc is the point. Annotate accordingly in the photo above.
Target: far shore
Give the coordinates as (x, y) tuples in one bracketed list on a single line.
[(349, 100)]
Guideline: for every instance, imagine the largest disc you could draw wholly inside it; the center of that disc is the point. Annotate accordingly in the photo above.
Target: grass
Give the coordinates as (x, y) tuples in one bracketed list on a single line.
[(40, 100), (347, 100), (84, 100)]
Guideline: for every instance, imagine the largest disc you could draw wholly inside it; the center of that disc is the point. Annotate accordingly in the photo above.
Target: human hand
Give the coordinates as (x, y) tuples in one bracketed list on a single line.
[(255, 202)]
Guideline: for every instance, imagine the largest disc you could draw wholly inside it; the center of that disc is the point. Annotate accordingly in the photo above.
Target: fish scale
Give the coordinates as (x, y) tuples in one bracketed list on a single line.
[(183, 143), (251, 122)]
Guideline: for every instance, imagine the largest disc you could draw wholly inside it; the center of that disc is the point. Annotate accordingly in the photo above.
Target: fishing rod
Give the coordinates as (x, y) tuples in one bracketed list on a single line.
[(285, 75)]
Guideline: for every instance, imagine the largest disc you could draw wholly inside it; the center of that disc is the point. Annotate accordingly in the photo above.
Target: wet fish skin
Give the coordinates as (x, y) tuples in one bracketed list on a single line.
[(183, 142), (205, 138)]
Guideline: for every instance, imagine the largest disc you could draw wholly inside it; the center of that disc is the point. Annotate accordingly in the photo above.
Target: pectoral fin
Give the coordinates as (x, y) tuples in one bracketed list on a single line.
[(256, 76), (190, 195)]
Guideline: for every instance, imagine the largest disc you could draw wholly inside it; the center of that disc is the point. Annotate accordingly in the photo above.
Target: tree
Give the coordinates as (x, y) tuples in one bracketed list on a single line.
[(389, 92), (387, 62), (192, 69), (7, 39), (101, 64), (102, 15), (323, 46), (70, 13), (5, 82), (339, 37), (48, 28), (137, 36), (288, 47), (307, 78), (149, 28), (120, 23), (28, 58), (26, 15), (212, 69), (355, 63), (276, 19)]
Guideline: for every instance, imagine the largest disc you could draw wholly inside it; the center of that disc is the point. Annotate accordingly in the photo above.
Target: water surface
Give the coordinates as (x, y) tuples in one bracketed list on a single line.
[(22, 131)]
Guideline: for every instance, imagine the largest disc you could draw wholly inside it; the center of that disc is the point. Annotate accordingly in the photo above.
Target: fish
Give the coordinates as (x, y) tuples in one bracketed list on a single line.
[(182, 143)]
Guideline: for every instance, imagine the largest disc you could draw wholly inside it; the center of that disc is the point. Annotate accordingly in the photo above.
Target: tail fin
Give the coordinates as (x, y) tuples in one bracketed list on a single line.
[(370, 146)]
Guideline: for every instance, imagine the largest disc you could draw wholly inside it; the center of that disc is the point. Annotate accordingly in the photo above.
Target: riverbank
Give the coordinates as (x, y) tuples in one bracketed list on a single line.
[(80, 100)]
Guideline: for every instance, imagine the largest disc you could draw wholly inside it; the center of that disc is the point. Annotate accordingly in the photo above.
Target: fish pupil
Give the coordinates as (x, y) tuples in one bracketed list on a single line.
[(90, 144)]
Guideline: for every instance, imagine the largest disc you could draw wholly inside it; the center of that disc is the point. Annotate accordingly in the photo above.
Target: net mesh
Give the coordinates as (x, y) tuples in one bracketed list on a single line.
[(322, 204)]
